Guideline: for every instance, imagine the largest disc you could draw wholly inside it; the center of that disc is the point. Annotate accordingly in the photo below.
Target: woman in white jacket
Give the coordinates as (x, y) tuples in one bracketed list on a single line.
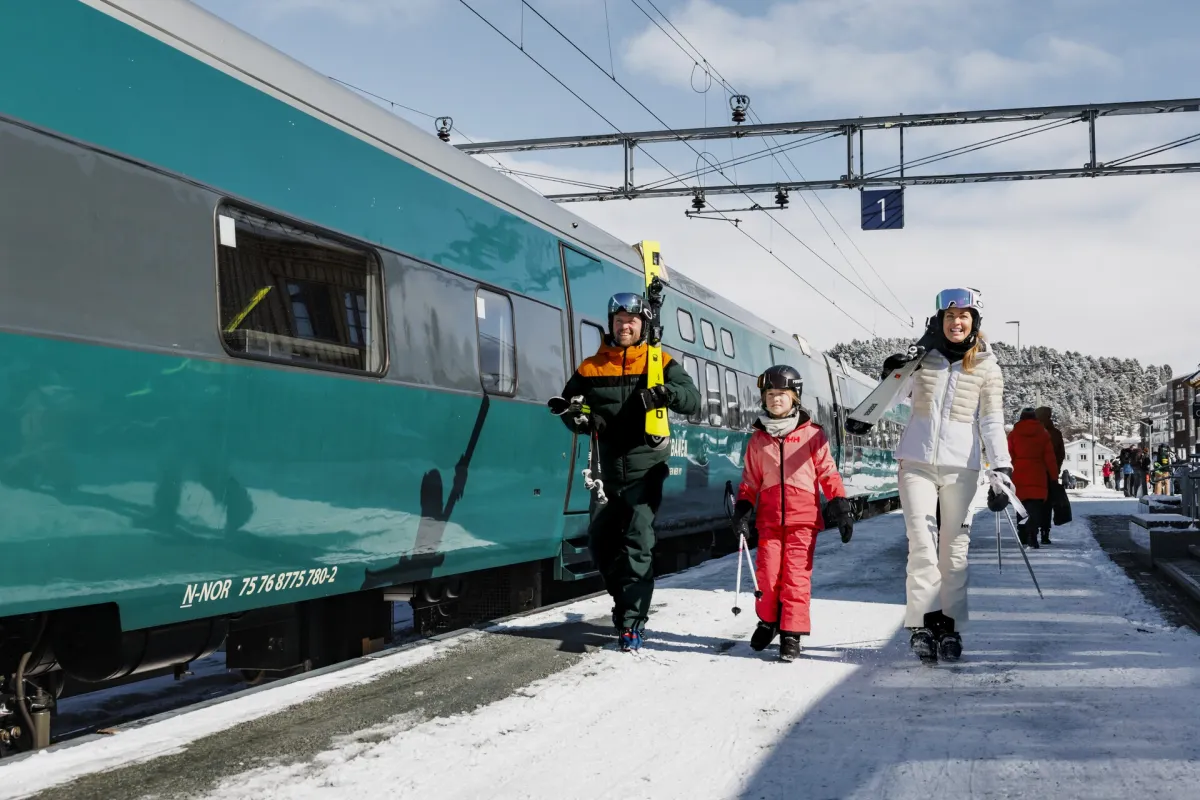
[(957, 400)]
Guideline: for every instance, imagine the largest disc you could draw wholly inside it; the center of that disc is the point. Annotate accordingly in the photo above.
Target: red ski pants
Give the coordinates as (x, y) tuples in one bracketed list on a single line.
[(784, 570)]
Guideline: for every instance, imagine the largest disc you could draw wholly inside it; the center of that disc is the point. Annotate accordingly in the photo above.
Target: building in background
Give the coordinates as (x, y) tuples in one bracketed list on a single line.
[(1081, 461), (1183, 427), (1156, 416)]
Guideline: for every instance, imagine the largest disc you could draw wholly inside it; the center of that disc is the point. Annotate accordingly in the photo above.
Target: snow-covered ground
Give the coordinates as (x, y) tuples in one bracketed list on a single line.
[(1085, 694)]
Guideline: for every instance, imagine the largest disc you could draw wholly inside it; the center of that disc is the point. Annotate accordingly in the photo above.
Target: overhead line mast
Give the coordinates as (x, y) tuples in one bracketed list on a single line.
[(850, 127)]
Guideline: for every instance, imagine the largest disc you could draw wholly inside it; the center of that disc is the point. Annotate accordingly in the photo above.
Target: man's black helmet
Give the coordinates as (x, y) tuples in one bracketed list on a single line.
[(630, 303), (781, 377)]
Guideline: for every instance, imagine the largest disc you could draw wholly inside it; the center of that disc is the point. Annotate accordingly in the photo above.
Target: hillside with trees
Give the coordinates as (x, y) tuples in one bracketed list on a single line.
[(1045, 376)]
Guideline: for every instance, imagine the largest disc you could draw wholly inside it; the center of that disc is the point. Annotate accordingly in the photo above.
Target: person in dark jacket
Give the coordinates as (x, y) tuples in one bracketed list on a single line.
[(612, 385), (1034, 469), (1045, 415)]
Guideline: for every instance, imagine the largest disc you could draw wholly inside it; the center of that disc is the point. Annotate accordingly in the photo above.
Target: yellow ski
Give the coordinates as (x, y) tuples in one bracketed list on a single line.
[(658, 429)]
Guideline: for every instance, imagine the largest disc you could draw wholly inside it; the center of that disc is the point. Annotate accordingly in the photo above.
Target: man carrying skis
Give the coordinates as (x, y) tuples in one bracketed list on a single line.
[(612, 385)]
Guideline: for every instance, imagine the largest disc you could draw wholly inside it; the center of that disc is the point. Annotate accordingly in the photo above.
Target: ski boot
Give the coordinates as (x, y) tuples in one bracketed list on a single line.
[(1033, 540), (631, 640), (949, 647), (1046, 537), (924, 645), (789, 646), (763, 635)]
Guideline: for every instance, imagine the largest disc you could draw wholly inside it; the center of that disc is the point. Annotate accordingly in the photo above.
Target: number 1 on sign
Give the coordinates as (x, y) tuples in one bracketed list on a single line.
[(883, 209)]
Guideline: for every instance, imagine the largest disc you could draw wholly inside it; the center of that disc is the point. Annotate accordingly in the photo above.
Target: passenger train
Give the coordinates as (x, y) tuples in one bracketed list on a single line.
[(274, 358)]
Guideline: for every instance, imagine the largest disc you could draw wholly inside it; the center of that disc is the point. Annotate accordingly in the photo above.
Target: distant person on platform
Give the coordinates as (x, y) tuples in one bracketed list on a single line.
[(612, 384), (1034, 470), (1045, 415), (1128, 474), (1107, 472)]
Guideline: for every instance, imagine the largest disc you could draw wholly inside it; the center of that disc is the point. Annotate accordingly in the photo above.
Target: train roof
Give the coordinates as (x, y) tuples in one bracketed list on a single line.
[(212, 40)]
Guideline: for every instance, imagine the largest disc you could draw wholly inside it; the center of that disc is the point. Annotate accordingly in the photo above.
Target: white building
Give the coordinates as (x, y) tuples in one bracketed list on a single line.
[(1080, 458)]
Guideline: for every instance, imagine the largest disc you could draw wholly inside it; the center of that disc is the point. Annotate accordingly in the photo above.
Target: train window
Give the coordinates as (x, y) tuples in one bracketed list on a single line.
[(751, 401), (590, 338), (712, 377), (692, 367), (726, 342), (293, 295), (733, 416), (497, 355), (708, 334), (776, 355), (687, 328)]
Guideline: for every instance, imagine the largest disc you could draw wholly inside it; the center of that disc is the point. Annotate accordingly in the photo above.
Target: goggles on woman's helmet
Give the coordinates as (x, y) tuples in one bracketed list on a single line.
[(630, 303), (959, 298)]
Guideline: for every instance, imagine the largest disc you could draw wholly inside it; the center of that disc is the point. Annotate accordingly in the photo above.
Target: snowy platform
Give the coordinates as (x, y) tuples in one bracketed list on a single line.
[(1085, 694)]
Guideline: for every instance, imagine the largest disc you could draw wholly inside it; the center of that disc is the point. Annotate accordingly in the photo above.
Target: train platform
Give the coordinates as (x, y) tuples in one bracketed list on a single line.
[(1088, 693)]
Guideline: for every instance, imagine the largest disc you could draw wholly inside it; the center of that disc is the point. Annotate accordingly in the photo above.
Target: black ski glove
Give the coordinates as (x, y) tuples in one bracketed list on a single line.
[(741, 518), (998, 502), (838, 515), (898, 360), (658, 397)]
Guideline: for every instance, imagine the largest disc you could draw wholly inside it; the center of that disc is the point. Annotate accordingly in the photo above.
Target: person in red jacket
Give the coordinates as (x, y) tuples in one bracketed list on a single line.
[(787, 458), (1034, 469)]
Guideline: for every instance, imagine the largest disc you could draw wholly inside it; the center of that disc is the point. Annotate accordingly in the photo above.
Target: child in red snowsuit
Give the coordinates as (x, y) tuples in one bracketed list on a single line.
[(786, 459)]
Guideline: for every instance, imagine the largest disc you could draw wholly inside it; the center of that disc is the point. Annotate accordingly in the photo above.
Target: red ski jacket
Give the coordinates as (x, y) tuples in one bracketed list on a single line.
[(1034, 464), (780, 476)]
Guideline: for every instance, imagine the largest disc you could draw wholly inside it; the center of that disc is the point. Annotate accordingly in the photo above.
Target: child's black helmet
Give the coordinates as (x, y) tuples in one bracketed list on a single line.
[(781, 377)]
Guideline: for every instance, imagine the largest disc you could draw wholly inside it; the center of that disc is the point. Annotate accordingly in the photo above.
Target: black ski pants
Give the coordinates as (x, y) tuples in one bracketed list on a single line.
[(1039, 517), (621, 540)]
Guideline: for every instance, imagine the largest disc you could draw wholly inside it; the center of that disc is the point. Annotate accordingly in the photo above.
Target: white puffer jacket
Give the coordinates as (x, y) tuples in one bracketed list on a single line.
[(948, 406)]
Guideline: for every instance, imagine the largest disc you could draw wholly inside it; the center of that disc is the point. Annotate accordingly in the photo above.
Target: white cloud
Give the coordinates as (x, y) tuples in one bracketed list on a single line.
[(882, 55), (354, 12)]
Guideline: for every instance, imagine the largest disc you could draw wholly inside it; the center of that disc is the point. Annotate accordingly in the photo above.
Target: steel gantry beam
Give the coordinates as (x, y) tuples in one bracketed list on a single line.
[(1089, 113)]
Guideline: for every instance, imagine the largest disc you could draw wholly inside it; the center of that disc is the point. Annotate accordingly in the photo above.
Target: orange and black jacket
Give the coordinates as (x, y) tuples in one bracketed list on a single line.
[(610, 382)]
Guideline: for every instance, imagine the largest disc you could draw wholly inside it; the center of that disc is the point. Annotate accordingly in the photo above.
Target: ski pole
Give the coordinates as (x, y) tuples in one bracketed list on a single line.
[(745, 547), (1027, 564), (999, 561), (737, 592)]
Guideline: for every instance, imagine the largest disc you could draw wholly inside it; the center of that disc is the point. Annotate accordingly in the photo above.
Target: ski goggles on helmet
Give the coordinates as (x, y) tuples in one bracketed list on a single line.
[(780, 380), (630, 303), (959, 298)]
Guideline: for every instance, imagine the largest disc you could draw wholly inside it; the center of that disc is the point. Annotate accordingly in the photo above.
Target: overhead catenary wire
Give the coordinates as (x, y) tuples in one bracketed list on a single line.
[(1162, 148), (662, 122), (754, 116), (611, 124)]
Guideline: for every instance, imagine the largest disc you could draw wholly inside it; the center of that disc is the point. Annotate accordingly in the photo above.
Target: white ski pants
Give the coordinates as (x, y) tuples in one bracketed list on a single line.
[(937, 560)]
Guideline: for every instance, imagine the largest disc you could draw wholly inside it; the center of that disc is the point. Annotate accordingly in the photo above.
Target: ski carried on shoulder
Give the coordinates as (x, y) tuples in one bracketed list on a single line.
[(868, 413), (658, 429)]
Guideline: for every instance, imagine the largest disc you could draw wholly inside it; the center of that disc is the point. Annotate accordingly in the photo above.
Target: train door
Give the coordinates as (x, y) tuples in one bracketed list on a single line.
[(589, 284), (837, 386)]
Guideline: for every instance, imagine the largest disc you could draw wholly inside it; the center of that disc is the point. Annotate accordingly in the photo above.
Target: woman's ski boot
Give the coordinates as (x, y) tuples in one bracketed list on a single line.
[(763, 635), (789, 646), (924, 645), (950, 647)]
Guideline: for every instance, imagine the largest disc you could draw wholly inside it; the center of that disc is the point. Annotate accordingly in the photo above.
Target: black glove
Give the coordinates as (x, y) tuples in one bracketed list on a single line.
[(838, 514), (898, 360), (658, 397), (741, 518), (998, 502)]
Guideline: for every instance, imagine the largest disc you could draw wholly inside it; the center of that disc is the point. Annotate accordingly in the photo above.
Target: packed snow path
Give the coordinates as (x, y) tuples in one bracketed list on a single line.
[(1086, 694)]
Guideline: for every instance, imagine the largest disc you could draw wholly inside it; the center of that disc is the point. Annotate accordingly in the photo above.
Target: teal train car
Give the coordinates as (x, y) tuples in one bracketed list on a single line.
[(274, 358)]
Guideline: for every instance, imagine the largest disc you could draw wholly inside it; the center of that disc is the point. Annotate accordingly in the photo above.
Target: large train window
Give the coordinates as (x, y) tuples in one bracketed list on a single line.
[(733, 416), (726, 342), (751, 401), (497, 354), (692, 367), (590, 338), (294, 295), (776, 355), (708, 334), (687, 328), (712, 377)]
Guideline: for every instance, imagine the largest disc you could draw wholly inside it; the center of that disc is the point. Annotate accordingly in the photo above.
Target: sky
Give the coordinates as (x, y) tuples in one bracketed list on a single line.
[(1104, 267)]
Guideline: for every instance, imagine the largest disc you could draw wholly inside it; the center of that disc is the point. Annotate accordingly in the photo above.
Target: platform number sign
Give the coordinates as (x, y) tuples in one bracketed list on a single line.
[(882, 209)]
